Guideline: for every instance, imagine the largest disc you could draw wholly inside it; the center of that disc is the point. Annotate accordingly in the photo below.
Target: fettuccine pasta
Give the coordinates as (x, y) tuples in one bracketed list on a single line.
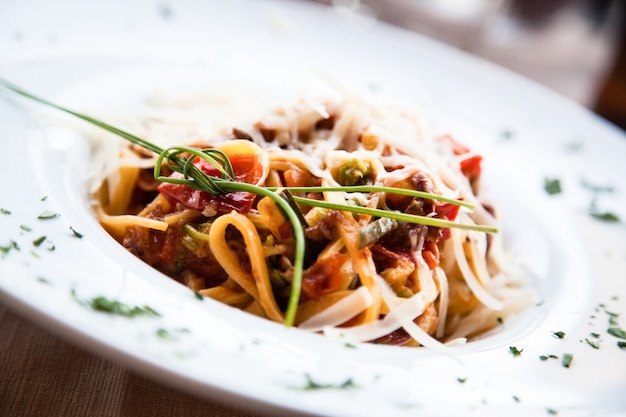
[(365, 278)]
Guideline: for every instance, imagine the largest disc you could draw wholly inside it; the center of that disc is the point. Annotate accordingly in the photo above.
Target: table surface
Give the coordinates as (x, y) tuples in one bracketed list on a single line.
[(44, 375)]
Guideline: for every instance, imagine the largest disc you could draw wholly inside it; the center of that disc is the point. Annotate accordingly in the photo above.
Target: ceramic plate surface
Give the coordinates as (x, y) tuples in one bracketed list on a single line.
[(55, 255)]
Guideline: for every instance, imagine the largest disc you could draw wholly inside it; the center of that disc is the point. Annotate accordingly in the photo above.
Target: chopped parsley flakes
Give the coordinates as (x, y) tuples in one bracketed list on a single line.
[(37, 242), (515, 351), (546, 357), (614, 327), (593, 343), (120, 309), (115, 307), (552, 186), (47, 214), (5, 249), (11, 246), (313, 385), (617, 332), (75, 233), (567, 360), (595, 188), (170, 334), (605, 216), (558, 335)]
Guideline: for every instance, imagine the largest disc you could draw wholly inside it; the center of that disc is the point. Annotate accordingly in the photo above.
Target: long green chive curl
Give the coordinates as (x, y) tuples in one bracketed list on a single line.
[(180, 159)]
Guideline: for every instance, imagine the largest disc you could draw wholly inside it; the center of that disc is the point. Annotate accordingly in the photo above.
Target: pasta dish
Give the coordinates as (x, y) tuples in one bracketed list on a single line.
[(399, 246)]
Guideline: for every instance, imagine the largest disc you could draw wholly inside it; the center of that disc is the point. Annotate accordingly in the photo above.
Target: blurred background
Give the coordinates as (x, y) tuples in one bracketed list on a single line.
[(574, 47)]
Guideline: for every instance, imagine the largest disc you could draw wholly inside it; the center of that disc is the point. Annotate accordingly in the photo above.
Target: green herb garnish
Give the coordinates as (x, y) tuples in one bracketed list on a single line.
[(621, 345), (515, 351), (75, 233), (118, 308), (595, 188), (313, 385), (567, 360), (552, 186), (170, 334), (115, 307), (48, 215), (605, 216), (558, 335), (593, 343), (617, 332), (4, 211), (164, 334), (546, 357), (179, 159), (37, 242), (26, 228), (612, 317)]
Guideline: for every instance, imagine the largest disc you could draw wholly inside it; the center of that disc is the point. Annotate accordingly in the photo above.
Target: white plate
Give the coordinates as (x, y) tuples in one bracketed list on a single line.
[(526, 134)]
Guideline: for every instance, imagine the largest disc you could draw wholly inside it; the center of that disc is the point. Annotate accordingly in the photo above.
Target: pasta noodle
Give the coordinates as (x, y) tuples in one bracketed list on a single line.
[(364, 280)]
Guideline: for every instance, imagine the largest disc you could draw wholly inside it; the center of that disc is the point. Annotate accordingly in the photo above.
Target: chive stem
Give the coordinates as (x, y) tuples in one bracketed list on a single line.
[(395, 215), (378, 188), (176, 159), (298, 232)]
